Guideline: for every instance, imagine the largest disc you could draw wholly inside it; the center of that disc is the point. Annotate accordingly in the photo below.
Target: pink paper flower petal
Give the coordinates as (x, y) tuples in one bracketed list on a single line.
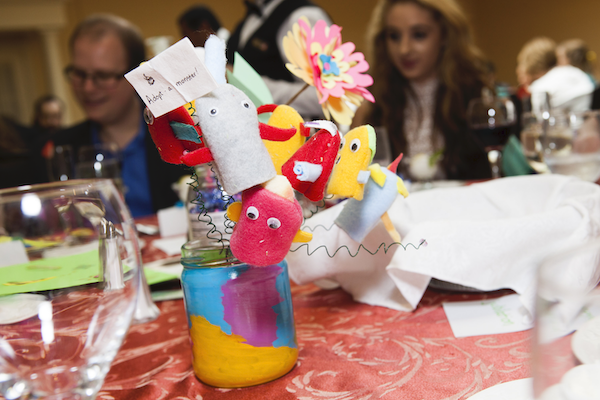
[(318, 56)]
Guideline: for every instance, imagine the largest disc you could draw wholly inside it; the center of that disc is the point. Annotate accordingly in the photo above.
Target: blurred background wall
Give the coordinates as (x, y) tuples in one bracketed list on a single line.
[(34, 35)]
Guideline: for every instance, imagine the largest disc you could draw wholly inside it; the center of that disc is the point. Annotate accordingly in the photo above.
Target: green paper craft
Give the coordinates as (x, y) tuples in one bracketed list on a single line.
[(50, 273), (245, 78), (154, 277), (514, 162)]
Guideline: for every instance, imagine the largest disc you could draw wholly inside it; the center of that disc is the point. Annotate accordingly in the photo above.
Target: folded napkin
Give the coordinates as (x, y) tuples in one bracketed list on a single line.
[(487, 236), (514, 162)]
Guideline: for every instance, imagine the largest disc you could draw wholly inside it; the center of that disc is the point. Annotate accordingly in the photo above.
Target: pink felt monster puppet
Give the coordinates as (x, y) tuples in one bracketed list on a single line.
[(308, 170), (268, 221)]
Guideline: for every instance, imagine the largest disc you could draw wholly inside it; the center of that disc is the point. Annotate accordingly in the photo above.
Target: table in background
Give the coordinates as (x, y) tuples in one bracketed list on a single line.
[(347, 351)]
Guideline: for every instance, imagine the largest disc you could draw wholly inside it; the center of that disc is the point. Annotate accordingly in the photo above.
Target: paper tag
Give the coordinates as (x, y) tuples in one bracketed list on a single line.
[(487, 317), (172, 221), (172, 78), (13, 252)]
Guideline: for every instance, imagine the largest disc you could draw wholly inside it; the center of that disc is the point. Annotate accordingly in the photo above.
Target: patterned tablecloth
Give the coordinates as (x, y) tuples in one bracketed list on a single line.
[(347, 351)]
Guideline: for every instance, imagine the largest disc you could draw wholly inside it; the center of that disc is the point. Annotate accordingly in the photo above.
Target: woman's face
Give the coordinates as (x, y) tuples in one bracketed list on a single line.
[(413, 40)]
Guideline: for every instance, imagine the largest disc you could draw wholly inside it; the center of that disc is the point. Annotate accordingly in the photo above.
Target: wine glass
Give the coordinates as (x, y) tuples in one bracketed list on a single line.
[(491, 120), (100, 161), (60, 164), (70, 279)]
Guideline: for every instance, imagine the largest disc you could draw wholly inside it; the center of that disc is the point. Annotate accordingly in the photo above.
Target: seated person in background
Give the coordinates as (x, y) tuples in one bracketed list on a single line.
[(426, 69), (569, 88), (20, 163), (103, 48), (48, 114), (198, 23), (575, 52), (259, 39)]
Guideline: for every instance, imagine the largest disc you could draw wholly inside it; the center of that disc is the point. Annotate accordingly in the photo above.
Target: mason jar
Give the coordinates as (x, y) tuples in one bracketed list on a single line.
[(240, 317)]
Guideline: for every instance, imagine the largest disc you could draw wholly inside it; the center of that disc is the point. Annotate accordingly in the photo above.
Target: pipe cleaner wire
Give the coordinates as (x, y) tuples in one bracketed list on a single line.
[(422, 243), (360, 246), (227, 199), (203, 215)]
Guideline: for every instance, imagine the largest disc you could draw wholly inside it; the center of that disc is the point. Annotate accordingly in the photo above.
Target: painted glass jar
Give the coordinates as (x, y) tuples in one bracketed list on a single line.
[(240, 317)]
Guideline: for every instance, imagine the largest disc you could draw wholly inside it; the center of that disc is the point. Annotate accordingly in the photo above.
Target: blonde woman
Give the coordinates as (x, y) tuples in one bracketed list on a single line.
[(426, 69), (576, 52)]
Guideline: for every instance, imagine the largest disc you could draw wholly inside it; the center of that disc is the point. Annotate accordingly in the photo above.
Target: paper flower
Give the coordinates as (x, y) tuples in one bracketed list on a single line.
[(317, 56)]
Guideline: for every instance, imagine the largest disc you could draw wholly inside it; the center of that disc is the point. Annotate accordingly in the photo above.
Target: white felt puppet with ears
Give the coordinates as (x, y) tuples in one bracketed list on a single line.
[(230, 129)]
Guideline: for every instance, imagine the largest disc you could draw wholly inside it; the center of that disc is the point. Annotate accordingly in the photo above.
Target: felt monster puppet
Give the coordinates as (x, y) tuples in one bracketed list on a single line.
[(309, 169), (268, 221), (174, 133), (223, 128), (284, 116), (350, 172), (358, 218)]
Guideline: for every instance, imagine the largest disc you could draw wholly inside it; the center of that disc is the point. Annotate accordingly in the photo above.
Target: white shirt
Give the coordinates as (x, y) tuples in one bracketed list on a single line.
[(421, 138), (569, 87)]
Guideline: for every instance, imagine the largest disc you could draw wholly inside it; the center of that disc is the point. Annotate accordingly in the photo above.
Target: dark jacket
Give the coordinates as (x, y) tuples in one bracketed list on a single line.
[(262, 50), (21, 162)]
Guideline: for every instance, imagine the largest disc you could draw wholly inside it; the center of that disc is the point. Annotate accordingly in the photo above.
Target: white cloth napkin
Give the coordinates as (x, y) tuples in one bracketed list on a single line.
[(488, 236)]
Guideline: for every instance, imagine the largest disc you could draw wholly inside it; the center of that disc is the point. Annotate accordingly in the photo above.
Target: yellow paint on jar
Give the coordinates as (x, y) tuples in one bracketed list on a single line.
[(223, 360)]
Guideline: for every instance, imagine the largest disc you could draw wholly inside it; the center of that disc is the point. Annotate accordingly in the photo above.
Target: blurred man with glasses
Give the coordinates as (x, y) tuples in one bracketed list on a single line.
[(103, 48)]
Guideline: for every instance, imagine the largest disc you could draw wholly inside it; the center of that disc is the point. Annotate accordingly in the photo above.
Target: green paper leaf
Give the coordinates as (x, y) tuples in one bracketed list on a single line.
[(51, 273), (245, 78)]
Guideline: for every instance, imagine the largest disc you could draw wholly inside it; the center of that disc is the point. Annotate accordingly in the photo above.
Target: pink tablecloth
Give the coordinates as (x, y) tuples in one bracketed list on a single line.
[(348, 351)]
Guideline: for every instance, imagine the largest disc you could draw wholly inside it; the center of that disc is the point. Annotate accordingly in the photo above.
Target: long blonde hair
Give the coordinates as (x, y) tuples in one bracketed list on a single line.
[(461, 75), (537, 56)]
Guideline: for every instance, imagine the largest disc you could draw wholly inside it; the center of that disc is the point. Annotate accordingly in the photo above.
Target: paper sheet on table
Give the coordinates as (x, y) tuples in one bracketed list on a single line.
[(163, 270), (154, 276), (172, 78), (171, 245), (51, 273), (487, 317)]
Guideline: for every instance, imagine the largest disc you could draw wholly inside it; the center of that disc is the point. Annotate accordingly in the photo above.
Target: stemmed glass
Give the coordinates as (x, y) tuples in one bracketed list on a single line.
[(100, 161), (68, 287), (572, 145), (491, 120)]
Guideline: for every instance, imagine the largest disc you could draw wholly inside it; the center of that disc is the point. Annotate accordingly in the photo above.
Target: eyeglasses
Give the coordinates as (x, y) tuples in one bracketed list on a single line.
[(104, 80)]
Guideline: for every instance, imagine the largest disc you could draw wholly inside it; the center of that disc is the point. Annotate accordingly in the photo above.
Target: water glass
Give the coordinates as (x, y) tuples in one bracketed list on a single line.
[(572, 145), (70, 280)]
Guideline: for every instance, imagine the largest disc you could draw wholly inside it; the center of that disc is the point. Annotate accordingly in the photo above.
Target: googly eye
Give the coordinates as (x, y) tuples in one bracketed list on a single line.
[(213, 112), (245, 104), (355, 145), (273, 223), (148, 117), (252, 213), (342, 143)]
